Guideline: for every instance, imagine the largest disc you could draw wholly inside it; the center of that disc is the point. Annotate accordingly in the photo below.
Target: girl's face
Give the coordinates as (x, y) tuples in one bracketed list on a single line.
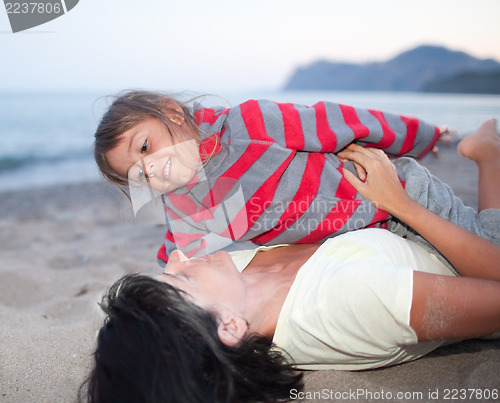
[(148, 154)]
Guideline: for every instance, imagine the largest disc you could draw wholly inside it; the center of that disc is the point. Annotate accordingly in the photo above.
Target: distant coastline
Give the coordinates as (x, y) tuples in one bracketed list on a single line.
[(422, 69), (467, 83)]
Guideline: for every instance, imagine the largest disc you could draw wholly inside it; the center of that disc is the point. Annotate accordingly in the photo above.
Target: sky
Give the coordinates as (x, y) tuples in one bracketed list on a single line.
[(229, 45)]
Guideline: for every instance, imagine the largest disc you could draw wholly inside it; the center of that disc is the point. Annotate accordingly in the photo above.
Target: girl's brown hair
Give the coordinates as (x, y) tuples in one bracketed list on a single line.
[(128, 110)]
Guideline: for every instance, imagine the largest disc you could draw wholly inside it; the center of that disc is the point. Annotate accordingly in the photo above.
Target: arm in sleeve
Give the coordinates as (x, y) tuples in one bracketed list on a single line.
[(329, 127), (199, 223)]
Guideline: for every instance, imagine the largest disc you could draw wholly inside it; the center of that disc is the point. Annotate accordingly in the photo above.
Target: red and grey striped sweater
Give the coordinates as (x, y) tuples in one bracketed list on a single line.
[(274, 177)]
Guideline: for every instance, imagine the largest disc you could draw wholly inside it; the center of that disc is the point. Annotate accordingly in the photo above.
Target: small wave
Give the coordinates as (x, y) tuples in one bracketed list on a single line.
[(44, 174), (13, 163)]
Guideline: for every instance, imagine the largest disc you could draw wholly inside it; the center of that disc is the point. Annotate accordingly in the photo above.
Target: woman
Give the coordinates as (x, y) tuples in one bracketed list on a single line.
[(362, 300)]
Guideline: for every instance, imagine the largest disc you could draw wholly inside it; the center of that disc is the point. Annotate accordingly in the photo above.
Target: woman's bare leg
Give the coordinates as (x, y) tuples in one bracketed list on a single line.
[(483, 147)]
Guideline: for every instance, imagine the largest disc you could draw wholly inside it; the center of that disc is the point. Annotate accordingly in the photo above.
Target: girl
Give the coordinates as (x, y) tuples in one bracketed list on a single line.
[(261, 171), (363, 300)]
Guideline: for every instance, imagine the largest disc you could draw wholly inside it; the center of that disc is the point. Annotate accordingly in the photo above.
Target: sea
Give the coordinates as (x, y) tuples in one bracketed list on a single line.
[(46, 138)]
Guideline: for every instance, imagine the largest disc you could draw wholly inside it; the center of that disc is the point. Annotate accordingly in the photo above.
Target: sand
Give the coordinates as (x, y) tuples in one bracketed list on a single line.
[(61, 247)]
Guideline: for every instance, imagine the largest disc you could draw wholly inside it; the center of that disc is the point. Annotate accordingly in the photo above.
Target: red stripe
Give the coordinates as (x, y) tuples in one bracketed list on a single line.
[(326, 135), (294, 134), (182, 240), (344, 189), (196, 252), (204, 115), (169, 236), (254, 122), (341, 213), (219, 190), (238, 227), (431, 144), (411, 134), (380, 216), (352, 120), (162, 253), (207, 115), (333, 222), (337, 218), (301, 201), (252, 117), (260, 143), (183, 203), (388, 135), (263, 197), (210, 146), (219, 194), (252, 153), (379, 220)]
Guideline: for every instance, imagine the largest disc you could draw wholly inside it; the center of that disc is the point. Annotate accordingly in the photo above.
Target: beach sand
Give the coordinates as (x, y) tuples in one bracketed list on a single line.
[(61, 247)]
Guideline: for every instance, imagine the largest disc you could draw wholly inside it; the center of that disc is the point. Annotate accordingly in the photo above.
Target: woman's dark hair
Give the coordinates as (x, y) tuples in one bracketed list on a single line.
[(155, 346), (126, 111)]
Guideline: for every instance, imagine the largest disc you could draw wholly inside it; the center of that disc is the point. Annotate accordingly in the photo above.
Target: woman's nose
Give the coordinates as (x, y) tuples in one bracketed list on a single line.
[(178, 255), (176, 258)]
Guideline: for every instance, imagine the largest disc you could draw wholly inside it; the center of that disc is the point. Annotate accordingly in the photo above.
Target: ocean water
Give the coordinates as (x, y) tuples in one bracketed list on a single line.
[(47, 138)]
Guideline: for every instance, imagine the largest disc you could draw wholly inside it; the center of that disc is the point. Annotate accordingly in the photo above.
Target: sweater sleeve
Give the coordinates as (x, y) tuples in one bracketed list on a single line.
[(204, 218), (328, 127), (189, 235)]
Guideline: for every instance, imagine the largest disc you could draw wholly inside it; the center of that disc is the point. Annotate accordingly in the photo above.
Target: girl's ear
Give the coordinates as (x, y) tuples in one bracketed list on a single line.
[(232, 327), (174, 112)]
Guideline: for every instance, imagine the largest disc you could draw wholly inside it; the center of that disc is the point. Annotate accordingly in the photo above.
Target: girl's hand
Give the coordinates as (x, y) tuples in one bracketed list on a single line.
[(382, 186), (446, 136)]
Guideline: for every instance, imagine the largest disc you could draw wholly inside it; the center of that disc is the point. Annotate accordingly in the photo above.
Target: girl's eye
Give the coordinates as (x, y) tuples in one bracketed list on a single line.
[(144, 147)]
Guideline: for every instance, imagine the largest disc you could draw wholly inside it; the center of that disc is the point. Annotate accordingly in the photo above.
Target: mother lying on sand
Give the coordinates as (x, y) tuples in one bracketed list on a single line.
[(202, 331)]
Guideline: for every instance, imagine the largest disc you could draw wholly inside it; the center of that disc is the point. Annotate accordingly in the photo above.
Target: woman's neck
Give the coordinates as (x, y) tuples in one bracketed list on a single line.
[(269, 277)]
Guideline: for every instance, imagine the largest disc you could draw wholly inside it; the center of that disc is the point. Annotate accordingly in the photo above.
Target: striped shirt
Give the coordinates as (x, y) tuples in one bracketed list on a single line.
[(274, 178)]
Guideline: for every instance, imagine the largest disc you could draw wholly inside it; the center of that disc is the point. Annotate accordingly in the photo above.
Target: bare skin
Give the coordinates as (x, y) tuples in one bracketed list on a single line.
[(278, 266), (445, 307), (256, 295), (451, 308), (483, 147)]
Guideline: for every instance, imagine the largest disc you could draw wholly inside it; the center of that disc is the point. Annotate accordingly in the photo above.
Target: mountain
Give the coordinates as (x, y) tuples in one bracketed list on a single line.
[(412, 70), (469, 82)]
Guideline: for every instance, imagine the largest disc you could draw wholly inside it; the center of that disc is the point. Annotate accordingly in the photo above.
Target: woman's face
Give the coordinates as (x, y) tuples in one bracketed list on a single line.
[(207, 281), (147, 154)]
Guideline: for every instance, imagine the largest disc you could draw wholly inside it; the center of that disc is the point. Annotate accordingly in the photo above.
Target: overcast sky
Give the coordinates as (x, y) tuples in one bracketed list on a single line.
[(230, 45)]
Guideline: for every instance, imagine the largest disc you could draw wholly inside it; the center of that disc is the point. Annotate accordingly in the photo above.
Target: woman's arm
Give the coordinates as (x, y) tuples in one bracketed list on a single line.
[(471, 255), (451, 308)]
